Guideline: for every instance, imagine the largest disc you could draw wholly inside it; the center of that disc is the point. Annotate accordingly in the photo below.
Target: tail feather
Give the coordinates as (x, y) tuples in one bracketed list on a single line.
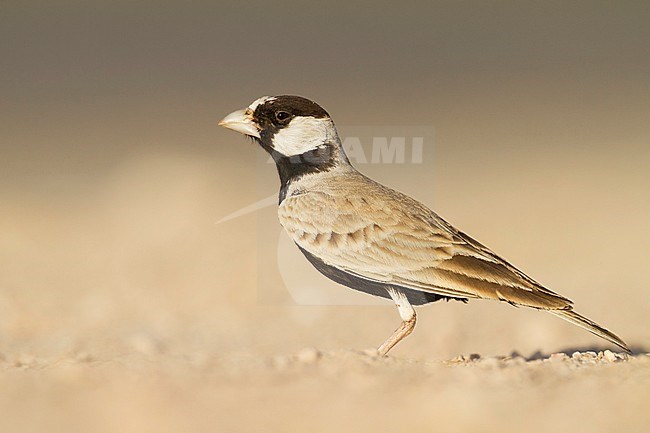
[(593, 327)]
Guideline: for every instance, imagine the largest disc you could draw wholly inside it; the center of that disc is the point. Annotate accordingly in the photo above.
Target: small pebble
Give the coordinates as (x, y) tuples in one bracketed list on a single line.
[(83, 357), (25, 361), (308, 355), (281, 362), (145, 344), (560, 357), (610, 356)]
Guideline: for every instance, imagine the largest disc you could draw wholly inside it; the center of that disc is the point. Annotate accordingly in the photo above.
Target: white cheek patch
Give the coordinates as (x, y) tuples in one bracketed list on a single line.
[(302, 134)]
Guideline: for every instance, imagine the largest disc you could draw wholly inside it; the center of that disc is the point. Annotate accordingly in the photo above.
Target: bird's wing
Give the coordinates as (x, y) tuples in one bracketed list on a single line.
[(382, 235)]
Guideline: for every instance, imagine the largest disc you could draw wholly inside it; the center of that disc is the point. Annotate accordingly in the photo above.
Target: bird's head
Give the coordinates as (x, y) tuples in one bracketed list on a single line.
[(287, 126)]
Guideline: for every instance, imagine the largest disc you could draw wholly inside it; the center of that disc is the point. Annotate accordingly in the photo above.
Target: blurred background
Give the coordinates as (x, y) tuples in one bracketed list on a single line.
[(113, 172)]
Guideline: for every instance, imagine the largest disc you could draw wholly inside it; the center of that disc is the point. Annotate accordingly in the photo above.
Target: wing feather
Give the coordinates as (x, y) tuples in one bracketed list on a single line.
[(376, 233)]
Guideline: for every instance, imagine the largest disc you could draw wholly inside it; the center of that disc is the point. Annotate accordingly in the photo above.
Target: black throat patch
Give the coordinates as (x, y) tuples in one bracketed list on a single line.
[(276, 114), (291, 168)]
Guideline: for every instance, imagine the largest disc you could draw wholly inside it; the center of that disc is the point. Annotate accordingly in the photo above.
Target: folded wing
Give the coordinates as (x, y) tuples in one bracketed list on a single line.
[(385, 236)]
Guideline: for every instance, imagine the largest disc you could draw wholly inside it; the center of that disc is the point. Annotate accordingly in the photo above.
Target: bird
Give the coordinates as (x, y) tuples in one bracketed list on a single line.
[(371, 238)]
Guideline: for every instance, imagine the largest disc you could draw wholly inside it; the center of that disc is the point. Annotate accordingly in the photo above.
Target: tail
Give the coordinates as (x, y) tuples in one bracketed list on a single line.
[(593, 327)]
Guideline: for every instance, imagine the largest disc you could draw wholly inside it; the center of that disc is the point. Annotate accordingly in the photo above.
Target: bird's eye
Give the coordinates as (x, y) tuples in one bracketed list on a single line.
[(282, 115)]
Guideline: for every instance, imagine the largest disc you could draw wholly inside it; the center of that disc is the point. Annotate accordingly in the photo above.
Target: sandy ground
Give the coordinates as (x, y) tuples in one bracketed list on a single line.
[(127, 308), (322, 392)]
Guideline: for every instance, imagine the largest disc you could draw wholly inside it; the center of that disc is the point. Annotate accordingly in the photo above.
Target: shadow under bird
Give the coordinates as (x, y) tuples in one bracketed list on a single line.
[(371, 238)]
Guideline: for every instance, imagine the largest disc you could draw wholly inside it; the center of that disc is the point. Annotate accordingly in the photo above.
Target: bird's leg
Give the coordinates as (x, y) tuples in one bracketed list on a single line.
[(407, 313)]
